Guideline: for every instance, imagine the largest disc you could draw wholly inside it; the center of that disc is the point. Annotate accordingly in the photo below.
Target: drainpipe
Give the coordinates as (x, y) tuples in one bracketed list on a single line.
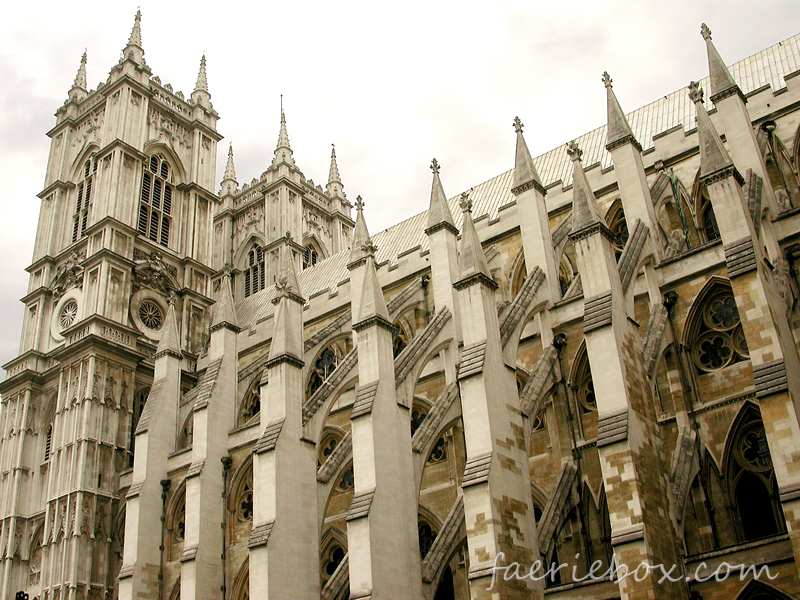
[(165, 485), (226, 466)]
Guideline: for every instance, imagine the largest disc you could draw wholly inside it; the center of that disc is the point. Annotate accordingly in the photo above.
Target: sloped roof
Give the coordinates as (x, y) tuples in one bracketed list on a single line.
[(765, 68)]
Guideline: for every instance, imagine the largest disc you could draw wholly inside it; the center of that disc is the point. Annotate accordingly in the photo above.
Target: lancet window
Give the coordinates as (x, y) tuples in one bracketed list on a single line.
[(155, 201), (254, 274), (615, 219), (80, 220), (310, 256), (708, 220), (718, 339)]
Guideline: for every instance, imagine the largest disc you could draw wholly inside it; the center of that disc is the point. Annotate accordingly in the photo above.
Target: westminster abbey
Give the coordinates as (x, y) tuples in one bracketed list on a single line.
[(231, 391)]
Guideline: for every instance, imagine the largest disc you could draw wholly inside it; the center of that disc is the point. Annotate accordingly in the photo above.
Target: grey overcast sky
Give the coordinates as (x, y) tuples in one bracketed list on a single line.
[(392, 84)]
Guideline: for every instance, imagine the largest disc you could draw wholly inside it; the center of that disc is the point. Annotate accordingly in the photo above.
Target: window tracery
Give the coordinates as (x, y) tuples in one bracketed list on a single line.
[(80, 219), (326, 363), (400, 338), (566, 274), (310, 256), (719, 338), (330, 439), (439, 452), (255, 272), (618, 226), (346, 482), (418, 414), (251, 403), (583, 385), (68, 315), (244, 503), (331, 559), (427, 535), (708, 220), (155, 200)]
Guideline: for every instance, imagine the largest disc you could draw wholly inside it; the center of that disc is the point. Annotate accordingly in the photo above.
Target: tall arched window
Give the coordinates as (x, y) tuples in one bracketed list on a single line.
[(80, 220), (717, 336), (708, 220), (615, 219), (155, 206), (254, 274)]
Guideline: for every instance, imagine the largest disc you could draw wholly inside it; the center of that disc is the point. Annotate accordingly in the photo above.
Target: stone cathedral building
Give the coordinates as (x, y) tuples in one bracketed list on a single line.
[(234, 391)]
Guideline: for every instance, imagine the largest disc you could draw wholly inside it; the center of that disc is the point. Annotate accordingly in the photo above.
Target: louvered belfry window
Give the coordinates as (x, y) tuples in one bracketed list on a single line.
[(254, 274), (155, 206), (80, 220)]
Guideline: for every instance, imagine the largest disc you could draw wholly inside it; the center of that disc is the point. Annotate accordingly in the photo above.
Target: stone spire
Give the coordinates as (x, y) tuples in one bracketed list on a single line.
[(360, 234), (713, 155), (225, 314), (229, 183), (283, 151), (170, 339), (78, 91), (202, 78), (134, 49), (285, 339), (525, 174), (584, 206), (619, 131), (471, 261), (721, 82), (372, 303), (439, 214), (335, 186)]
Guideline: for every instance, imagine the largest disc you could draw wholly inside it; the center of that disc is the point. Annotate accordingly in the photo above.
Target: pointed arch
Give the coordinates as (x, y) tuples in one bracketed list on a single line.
[(241, 583), (333, 549), (175, 521), (615, 220), (240, 501), (707, 227), (178, 169), (186, 434), (250, 407), (519, 271), (314, 250), (325, 362), (758, 590)]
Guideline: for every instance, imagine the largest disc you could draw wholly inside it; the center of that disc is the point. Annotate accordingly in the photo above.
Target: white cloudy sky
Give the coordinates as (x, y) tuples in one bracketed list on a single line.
[(393, 84)]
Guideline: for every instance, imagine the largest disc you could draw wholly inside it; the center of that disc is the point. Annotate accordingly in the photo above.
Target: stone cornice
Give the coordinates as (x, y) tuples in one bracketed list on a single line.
[(375, 320), (722, 174), (224, 325), (168, 352), (58, 184), (289, 359), (356, 263), (441, 225), (731, 91), (627, 139), (477, 278), (289, 295), (589, 230), (524, 187)]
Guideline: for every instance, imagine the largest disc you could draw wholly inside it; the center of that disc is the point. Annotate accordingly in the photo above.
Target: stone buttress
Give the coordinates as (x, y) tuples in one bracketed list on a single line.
[(628, 442)]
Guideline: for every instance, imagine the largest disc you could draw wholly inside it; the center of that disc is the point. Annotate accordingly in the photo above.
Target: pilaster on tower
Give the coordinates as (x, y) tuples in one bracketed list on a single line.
[(534, 223)]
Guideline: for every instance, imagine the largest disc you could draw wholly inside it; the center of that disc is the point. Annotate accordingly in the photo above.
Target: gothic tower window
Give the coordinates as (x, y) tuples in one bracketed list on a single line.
[(251, 403), (254, 274), (708, 220), (718, 338), (155, 206), (80, 219), (583, 385), (400, 338), (48, 442), (333, 549), (310, 256), (419, 410)]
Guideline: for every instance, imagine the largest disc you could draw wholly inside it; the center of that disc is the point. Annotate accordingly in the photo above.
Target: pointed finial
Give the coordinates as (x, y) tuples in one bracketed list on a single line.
[(80, 78), (518, 125), (169, 344), (695, 92), (435, 166), (360, 236), (464, 201), (525, 174), (283, 151), (618, 130), (607, 79), (136, 33), (333, 174), (574, 152), (230, 171), (202, 79), (439, 215), (359, 204), (705, 31)]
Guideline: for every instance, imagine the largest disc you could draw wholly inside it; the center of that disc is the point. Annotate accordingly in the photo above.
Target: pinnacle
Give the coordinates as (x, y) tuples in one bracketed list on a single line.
[(136, 33), (230, 171), (438, 211), (202, 79), (471, 260), (283, 151), (524, 169), (287, 278), (333, 175), (80, 78), (360, 233), (713, 155), (719, 76), (584, 206), (372, 303), (286, 336), (225, 313), (170, 339), (618, 126)]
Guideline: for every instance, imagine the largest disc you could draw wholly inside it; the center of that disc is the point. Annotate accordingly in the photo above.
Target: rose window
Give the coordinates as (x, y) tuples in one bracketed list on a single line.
[(68, 314), (150, 314)]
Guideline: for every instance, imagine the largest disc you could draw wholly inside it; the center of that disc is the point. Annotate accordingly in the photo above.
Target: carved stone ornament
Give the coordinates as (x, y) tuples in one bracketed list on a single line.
[(152, 272), (69, 275)]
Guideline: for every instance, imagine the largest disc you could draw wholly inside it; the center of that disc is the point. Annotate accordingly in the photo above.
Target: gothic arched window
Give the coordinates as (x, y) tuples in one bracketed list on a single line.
[(400, 338), (718, 339), (583, 384), (80, 220), (310, 256), (155, 205), (254, 274), (418, 413), (708, 220), (427, 535), (326, 363), (251, 403), (615, 219), (333, 549)]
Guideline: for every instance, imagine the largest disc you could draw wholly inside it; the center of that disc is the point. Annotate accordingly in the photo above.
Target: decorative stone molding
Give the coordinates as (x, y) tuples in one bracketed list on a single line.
[(740, 257), (476, 470), (69, 275), (612, 428), (152, 272), (365, 397), (628, 139), (597, 312), (269, 438), (289, 359), (259, 535), (360, 505), (472, 360), (195, 469), (721, 175), (770, 378)]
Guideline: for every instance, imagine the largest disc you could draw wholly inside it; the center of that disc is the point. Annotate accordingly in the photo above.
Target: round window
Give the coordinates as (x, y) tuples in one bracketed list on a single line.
[(68, 314), (151, 315)]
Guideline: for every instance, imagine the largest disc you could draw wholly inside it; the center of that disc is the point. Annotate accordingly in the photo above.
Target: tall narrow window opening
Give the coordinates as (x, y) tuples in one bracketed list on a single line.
[(80, 220), (155, 206), (254, 274)]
